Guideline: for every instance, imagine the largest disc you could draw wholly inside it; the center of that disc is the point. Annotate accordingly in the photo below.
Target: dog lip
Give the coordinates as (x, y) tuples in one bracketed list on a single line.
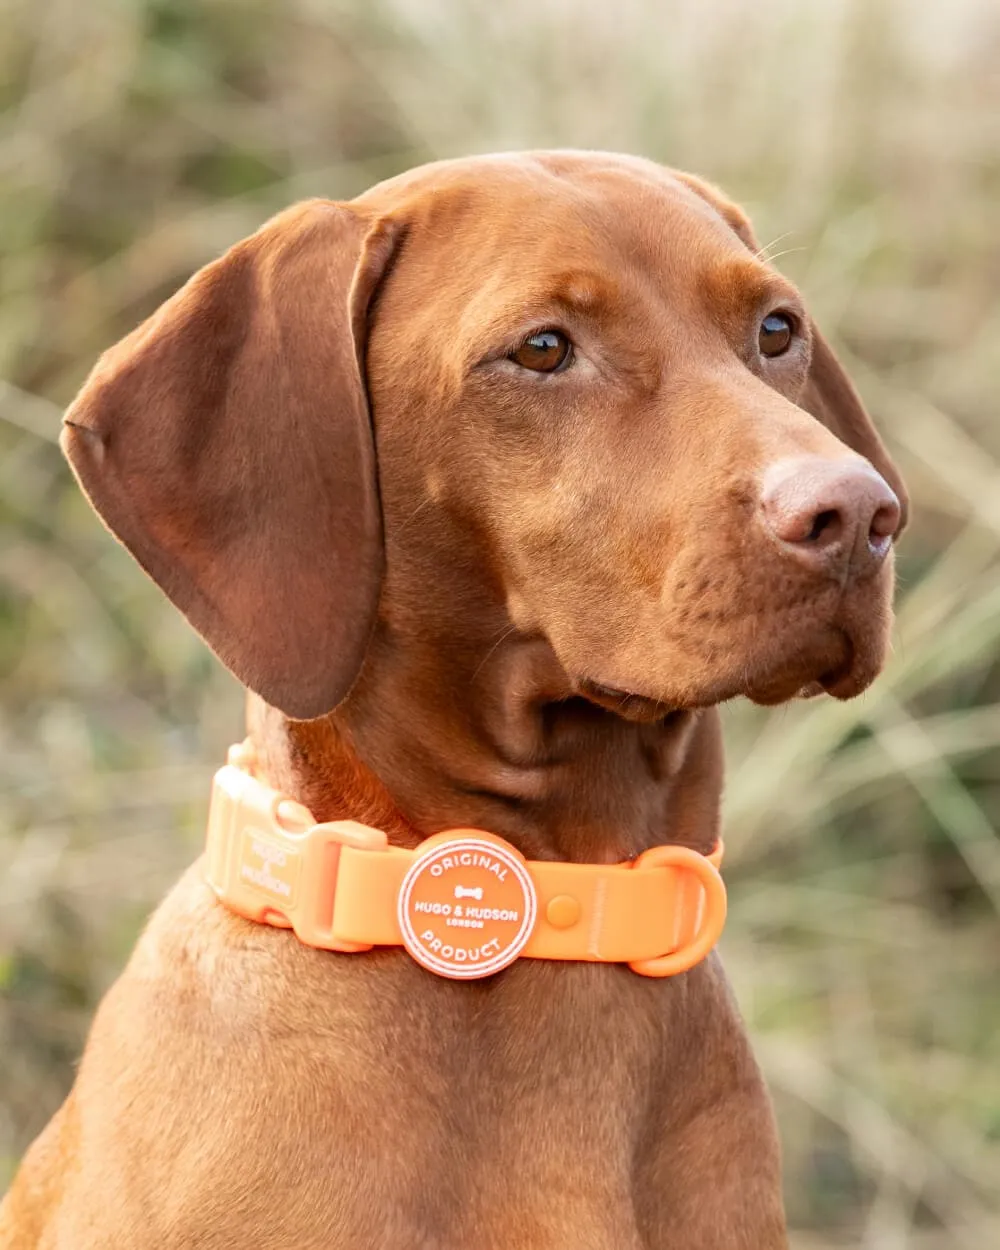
[(843, 682), (600, 691), (624, 703), (809, 672)]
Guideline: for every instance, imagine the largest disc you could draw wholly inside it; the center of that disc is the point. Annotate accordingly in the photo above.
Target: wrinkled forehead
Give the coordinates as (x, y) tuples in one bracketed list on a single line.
[(522, 222)]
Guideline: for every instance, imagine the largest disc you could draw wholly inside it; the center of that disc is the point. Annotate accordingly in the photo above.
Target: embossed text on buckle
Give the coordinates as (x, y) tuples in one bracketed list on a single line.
[(269, 862)]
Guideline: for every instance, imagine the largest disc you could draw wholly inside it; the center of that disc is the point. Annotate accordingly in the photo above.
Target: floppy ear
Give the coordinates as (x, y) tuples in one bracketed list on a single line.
[(227, 443), (830, 397), (829, 394)]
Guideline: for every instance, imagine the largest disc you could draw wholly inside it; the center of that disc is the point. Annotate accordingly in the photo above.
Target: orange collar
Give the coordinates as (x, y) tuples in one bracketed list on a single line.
[(465, 903)]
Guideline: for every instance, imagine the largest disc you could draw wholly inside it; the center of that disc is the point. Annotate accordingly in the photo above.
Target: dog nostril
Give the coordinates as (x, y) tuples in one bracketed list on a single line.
[(885, 522), (826, 525), (882, 529)]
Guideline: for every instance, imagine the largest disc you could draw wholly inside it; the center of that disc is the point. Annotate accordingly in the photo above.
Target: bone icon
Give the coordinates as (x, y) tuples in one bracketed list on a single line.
[(475, 892)]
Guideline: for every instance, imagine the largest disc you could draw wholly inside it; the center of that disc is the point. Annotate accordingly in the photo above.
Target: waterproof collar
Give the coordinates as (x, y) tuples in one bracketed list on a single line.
[(465, 903)]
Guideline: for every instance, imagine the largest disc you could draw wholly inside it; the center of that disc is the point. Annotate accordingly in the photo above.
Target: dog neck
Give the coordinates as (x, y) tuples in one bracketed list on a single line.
[(495, 738)]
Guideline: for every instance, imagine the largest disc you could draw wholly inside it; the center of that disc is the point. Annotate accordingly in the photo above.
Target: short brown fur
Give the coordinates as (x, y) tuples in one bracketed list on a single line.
[(321, 451)]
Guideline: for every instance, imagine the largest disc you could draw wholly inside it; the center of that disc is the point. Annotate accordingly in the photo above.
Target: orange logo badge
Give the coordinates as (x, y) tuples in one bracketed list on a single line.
[(467, 905)]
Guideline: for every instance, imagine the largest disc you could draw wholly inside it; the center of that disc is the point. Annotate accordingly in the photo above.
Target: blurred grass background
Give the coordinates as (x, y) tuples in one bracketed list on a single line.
[(140, 137)]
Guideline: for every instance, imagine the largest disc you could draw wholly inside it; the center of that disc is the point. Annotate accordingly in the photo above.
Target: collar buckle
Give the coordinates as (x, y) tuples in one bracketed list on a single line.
[(269, 862)]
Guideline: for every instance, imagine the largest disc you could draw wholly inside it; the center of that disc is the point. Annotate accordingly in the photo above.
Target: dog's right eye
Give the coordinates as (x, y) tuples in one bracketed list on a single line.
[(775, 334), (546, 351)]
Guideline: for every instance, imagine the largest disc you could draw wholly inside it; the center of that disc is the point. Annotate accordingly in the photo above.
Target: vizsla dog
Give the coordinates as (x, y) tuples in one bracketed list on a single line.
[(490, 485)]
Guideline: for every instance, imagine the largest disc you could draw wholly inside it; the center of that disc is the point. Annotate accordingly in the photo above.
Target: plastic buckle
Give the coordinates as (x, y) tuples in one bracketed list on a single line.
[(709, 905), (269, 861)]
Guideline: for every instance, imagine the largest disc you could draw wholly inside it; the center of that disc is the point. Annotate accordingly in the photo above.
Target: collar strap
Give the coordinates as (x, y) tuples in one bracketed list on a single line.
[(465, 903)]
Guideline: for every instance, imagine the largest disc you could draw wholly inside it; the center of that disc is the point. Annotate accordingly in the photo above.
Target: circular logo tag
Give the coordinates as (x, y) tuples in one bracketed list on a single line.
[(466, 906)]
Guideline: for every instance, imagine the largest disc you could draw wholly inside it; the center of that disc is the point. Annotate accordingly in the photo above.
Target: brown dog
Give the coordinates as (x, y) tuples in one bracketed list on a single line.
[(522, 464)]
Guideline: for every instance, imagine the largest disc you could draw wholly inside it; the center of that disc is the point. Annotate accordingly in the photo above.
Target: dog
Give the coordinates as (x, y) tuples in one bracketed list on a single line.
[(490, 485)]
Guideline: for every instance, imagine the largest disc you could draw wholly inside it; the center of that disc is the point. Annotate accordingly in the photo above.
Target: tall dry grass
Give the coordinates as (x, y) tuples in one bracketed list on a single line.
[(139, 140)]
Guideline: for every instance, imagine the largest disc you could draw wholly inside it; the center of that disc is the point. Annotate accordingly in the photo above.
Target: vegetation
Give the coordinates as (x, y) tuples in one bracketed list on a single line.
[(141, 137)]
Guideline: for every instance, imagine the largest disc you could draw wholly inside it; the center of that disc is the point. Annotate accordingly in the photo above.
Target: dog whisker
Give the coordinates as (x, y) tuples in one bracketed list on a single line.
[(787, 251), (505, 634), (762, 252)]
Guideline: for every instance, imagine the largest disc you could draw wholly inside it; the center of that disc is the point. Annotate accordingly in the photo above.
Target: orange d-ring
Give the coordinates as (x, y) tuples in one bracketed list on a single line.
[(712, 911)]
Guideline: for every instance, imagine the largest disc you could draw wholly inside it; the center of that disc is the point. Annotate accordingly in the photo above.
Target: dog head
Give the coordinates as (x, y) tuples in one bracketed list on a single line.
[(576, 362)]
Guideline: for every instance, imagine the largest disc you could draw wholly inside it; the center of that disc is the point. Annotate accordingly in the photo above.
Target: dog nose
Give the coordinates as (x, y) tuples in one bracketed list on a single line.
[(831, 514)]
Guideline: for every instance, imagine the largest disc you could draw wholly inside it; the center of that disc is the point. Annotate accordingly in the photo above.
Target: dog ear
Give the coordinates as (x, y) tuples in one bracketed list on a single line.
[(829, 394), (830, 397), (227, 444)]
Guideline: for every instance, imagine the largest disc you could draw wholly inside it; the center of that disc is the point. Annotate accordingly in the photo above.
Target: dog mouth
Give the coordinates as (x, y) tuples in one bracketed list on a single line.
[(836, 647), (627, 704), (842, 674)]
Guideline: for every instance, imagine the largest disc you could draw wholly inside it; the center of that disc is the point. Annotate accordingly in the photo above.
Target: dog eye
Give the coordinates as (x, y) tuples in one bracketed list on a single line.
[(775, 336), (548, 351)]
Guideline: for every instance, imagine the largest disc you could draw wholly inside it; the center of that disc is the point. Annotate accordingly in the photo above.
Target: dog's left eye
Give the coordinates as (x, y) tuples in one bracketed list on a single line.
[(548, 351), (775, 335)]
